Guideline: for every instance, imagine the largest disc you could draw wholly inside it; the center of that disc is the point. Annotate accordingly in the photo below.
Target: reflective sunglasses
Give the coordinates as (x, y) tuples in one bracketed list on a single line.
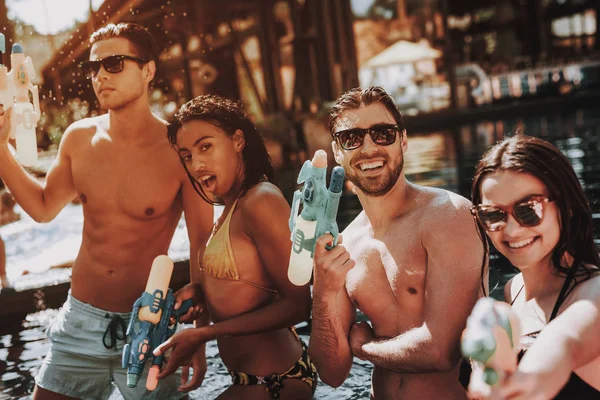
[(112, 64), (382, 135), (527, 213)]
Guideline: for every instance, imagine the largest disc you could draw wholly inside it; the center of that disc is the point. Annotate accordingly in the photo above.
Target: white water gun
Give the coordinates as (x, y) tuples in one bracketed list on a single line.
[(14, 92)]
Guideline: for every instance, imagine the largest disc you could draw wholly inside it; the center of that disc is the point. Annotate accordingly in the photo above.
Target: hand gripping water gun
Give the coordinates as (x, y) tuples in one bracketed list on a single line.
[(151, 323), (14, 92), (491, 337), (319, 211)]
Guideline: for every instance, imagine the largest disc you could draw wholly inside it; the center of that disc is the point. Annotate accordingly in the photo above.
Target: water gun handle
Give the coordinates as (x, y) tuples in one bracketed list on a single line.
[(173, 318), (329, 223), (184, 308), (157, 361), (333, 202)]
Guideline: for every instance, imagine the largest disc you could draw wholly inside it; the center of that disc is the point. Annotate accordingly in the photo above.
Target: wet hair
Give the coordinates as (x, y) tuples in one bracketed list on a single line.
[(141, 40), (529, 155), (357, 97), (228, 116)]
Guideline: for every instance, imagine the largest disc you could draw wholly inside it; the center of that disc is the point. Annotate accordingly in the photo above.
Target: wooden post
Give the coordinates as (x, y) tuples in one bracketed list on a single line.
[(347, 45), (270, 56), (449, 57)]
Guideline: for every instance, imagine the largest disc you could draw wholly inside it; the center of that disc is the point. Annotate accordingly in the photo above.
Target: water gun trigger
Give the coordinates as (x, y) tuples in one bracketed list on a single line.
[(334, 232), (182, 310)]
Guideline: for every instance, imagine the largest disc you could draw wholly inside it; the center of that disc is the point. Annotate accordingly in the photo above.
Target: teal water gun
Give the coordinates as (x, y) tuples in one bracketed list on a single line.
[(153, 321), (319, 212), (491, 338)]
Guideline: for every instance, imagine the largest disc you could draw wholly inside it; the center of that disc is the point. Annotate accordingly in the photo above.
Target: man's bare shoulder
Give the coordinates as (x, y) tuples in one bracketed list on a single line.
[(445, 222), (89, 123), (80, 131), (441, 207), (440, 198), (357, 228)]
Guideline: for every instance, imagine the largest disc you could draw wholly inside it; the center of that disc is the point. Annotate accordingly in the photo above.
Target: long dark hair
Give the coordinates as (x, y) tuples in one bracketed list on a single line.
[(526, 154), (228, 116)]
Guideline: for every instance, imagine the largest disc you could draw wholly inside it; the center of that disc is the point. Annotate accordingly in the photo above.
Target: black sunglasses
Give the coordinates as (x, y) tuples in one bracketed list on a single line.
[(527, 213), (382, 135), (112, 64)]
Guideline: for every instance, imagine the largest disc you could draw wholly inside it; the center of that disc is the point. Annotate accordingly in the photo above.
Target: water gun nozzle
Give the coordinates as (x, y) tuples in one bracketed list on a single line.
[(132, 380)]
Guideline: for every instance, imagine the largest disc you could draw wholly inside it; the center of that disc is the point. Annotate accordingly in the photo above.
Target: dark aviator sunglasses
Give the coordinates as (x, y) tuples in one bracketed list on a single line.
[(382, 135), (112, 64), (527, 213)]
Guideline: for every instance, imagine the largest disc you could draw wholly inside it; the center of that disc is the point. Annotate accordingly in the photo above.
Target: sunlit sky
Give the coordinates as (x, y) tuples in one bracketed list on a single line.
[(361, 6), (51, 16)]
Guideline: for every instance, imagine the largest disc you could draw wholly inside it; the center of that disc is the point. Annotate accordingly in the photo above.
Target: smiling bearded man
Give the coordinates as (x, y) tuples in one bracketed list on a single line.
[(411, 262)]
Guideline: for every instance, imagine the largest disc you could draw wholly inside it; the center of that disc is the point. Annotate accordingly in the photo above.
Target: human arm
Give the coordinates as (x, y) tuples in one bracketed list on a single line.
[(264, 214), (454, 257), (198, 217), (41, 202), (333, 312), (566, 344)]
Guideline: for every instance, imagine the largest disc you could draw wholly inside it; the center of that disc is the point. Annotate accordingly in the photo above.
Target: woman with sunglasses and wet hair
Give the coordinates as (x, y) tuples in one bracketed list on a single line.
[(243, 268), (529, 203)]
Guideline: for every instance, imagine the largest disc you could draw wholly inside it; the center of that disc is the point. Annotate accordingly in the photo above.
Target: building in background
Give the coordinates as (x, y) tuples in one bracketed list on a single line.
[(494, 51), (278, 56), (284, 59)]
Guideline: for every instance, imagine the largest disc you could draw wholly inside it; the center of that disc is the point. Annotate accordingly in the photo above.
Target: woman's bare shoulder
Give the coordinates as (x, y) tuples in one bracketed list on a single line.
[(260, 198), (588, 289)]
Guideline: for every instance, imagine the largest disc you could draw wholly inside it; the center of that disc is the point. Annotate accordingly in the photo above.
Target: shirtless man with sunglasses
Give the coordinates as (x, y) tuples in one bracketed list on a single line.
[(133, 190), (411, 262)]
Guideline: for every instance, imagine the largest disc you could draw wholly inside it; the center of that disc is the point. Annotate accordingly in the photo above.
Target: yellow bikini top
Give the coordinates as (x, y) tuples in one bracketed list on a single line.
[(218, 260)]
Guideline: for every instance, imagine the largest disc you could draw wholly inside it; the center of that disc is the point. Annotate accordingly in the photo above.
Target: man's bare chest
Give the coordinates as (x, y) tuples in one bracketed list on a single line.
[(386, 274), (140, 185)]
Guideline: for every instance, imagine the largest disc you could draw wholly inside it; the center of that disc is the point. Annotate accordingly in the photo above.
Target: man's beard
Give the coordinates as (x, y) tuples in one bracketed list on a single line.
[(380, 185)]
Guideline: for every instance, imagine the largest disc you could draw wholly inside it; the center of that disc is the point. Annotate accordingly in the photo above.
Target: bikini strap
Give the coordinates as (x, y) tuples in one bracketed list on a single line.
[(563, 292), (256, 285), (518, 293)]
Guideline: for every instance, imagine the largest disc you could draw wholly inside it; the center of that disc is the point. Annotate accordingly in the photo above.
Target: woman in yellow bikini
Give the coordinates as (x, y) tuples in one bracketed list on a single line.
[(243, 288)]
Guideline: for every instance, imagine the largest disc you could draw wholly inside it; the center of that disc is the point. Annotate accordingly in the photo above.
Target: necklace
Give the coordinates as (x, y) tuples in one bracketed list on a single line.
[(218, 222), (217, 225)]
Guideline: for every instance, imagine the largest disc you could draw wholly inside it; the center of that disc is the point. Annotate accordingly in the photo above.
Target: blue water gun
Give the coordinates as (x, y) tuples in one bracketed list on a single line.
[(319, 212), (153, 321), (491, 338)]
